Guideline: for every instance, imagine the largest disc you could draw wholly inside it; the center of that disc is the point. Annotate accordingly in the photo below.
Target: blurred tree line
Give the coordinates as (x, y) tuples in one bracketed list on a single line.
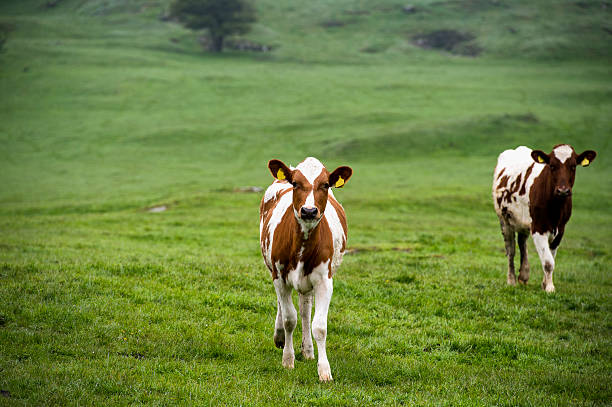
[(221, 18)]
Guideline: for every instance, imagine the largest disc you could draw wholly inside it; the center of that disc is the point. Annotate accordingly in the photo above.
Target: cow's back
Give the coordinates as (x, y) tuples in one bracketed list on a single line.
[(512, 181)]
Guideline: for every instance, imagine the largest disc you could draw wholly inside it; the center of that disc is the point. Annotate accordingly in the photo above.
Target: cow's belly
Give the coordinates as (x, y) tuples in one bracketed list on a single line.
[(516, 212)]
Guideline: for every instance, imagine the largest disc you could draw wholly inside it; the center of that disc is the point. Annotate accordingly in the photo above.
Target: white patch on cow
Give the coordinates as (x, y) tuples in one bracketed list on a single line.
[(274, 189), (514, 163), (277, 215), (563, 152), (310, 202), (338, 237), (304, 284), (311, 168)]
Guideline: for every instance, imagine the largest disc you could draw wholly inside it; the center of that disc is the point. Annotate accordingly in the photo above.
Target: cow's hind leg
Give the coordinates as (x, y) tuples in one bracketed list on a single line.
[(279, 329), (305, 311), (508, 233), (323, 292), (524, 271), (289, 319)]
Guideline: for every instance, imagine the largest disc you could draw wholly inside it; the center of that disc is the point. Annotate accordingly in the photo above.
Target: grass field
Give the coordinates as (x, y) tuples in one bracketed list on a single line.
[(107, 111)]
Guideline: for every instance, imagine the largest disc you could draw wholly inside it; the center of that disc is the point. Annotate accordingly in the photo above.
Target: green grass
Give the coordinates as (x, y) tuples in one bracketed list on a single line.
[(103, 115)]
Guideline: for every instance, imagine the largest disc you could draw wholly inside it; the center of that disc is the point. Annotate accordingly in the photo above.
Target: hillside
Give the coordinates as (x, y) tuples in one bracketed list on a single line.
[(356, 30), (108, 111)]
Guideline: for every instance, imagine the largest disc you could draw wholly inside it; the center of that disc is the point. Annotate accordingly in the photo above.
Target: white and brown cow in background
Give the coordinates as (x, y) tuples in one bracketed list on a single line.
[(532, 194), (303, 236)]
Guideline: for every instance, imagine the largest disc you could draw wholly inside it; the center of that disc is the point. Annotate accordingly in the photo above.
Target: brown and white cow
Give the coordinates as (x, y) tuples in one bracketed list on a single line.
[(303, 236), (532, 194)]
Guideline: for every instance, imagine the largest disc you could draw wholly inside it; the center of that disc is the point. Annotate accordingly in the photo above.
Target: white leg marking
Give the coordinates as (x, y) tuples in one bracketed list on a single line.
[(546, 258), (305, 311), (283, 293), (323, 293)]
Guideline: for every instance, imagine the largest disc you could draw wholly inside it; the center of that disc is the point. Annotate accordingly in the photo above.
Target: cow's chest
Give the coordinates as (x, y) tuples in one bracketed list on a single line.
[(303, 277)]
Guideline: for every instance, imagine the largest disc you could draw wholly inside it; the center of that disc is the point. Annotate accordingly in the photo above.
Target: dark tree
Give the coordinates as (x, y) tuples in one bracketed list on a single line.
[(220, 17)]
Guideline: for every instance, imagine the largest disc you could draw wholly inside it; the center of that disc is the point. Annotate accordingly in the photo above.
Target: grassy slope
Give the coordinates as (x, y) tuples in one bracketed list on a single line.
[(102, 116)]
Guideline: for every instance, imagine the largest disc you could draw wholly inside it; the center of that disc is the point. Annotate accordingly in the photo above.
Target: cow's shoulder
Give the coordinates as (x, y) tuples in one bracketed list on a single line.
[(272, 196)]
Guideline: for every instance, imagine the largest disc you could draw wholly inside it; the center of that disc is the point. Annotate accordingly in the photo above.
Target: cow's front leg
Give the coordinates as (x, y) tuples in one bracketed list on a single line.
[(546, 258), (323, 292), (289, 319), (305, 311)]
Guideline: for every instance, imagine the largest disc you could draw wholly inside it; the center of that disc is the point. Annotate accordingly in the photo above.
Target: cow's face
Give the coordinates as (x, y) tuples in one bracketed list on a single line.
[(561, 163), (311, 183)]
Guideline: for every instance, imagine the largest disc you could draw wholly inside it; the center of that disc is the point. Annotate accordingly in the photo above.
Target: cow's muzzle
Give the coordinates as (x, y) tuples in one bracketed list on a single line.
[(563, 192), (308, 213)]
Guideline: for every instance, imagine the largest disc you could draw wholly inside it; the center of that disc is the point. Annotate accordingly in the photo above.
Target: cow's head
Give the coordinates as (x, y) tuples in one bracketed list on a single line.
[(561, 163), (311, 183)]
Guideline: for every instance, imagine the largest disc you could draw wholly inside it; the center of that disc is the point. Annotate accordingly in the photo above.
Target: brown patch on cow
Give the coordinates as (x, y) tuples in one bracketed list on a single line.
[(289, 242), (501, 173), (527, 174), (507, 193), (548, 212), (503, 182), (516, 184)]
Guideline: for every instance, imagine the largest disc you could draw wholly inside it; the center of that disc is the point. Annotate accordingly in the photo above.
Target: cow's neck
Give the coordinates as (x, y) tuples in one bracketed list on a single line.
[(306, 242)]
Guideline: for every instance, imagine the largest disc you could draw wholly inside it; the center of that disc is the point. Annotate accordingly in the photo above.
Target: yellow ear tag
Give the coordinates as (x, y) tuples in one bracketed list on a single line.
[(540, 159), (585, 162), (339, 183), (280, 174)]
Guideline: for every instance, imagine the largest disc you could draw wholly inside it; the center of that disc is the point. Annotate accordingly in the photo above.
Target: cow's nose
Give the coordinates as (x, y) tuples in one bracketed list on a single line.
[(308, 213), (563, 191)]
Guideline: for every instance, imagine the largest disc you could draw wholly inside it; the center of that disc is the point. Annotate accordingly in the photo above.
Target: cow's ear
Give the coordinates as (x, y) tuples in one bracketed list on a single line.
[(586, 158), (340, 176), (279, 170), (540, 156)]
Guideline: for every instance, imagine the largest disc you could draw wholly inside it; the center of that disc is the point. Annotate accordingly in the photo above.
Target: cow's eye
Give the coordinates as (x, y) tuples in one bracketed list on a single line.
[(573, 167), (553, 168), (325, 185), (294, 184)]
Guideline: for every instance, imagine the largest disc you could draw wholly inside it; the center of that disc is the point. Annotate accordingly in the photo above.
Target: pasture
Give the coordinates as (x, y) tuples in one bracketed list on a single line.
[(106, 112)]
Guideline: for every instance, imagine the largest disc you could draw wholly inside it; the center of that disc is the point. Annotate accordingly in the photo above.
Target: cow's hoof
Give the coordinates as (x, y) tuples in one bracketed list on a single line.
[(325, 373), (548, 288), (308, 353), (511, 281), (279, 338), (523, 280), (288, 361)]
